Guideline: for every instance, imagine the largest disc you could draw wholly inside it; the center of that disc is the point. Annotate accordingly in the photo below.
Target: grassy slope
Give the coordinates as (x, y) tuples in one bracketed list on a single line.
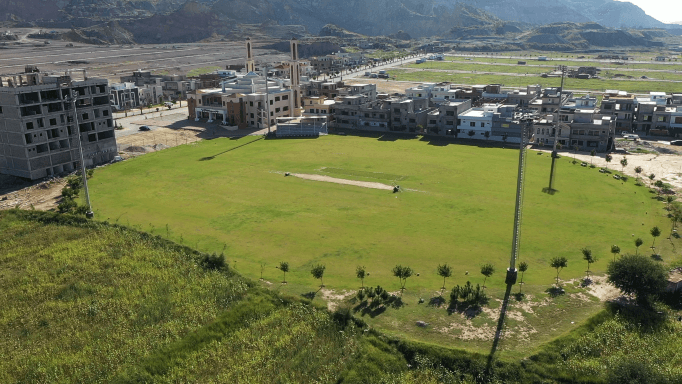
[(463, 216), (90, 303)]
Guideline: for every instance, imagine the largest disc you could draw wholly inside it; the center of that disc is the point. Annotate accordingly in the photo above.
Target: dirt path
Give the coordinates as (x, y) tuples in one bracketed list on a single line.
[(364, 184)]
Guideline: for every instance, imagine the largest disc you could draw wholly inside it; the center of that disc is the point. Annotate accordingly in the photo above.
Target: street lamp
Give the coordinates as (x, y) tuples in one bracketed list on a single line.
[(89, 214)]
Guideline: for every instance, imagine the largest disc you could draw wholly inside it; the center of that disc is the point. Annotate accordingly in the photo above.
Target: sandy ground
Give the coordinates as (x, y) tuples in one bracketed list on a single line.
[(666, 167), (364, 184)]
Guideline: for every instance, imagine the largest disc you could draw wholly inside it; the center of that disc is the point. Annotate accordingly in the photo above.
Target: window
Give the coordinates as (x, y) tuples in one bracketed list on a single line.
[(251, 105), (0, 109), (472, 124), (661, 118), (271, 102), (285, 109), (276, 110), (434, 122), (252, 115), (285, 97), (29, 125), (312, 110), (449, 123), (53, 122), (276, 99), (482, 125)]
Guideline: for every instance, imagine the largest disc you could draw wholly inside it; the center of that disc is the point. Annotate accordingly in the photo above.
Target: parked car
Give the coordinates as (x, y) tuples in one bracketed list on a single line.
[(676, 142), (145, 128)]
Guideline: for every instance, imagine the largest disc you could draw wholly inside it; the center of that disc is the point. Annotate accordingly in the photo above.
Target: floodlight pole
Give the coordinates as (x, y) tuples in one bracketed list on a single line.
[(512, 273), (267, 96), (89, 214)]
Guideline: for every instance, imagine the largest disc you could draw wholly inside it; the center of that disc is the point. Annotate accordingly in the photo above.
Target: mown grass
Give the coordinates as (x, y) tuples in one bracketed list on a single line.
[(532, 61), (522, 69), (522, 81), (459, 211)]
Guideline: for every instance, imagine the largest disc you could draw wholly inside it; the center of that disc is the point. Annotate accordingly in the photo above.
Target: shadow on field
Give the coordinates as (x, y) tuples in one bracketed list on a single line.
[(435, 140), (229, 150), (646, 319), (376, 307)]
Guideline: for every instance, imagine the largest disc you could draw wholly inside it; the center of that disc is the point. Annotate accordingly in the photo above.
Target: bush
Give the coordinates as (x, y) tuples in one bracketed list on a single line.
[(638, 275), (67, 205), (69, 193), (634, 372), (214, 261)]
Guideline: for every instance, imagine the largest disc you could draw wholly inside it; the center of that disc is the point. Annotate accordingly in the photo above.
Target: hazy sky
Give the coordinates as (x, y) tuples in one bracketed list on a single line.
[(667, 11)]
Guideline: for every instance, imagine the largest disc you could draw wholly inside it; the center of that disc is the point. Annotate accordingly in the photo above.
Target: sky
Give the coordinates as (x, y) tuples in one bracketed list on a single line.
[(667, 11)]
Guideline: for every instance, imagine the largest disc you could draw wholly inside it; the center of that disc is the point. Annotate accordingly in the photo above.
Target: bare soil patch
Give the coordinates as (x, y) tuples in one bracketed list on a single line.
[(328, 179)]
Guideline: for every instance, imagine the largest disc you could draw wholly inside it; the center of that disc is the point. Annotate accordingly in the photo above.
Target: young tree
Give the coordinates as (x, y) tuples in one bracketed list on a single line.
[(360, 273), (402, 273), (318, 273), (592, 154), (444, 271), (655, 232), (558, 263), (284, 267), (608, 159), (587, 256), (487, 270), (576, 148), (669, 199), (471, 133), (623, 164), (638, 275), (615, 250), (638, 243), (638, 171), (523, 267), (651, 179), (262, 268), (487, 135)]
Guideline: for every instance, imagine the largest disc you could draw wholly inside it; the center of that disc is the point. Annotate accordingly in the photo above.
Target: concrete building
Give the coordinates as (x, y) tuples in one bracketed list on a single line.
[(445, 119), (38, 127), (621, 105), (124, 96)]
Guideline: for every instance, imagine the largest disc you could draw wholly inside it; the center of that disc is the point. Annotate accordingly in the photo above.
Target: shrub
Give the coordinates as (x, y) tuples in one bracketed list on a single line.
[(67, 205), (213, 261), (638, 275)]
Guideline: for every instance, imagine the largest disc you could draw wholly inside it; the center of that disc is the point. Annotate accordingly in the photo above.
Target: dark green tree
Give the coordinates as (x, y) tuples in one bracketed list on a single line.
[(638, 275)]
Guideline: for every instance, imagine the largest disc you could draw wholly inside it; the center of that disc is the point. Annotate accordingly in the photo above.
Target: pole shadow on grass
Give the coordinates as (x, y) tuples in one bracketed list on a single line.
[(229, 150), (498, 331)]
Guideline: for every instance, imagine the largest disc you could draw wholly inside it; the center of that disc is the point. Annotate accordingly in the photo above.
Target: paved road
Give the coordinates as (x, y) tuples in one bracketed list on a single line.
[(131, 124)]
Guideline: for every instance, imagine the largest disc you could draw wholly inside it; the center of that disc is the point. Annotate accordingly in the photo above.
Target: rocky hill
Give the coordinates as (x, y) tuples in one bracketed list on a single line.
[(166, 21)]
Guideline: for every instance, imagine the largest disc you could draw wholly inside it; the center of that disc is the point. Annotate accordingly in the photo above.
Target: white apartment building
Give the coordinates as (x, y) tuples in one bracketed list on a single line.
[(475, 122)]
